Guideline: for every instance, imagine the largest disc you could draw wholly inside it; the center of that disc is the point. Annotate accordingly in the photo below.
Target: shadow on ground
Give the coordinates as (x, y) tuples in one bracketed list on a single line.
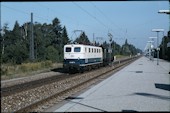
[(128, 110), (163, 86), (60, 70), (152, 95)]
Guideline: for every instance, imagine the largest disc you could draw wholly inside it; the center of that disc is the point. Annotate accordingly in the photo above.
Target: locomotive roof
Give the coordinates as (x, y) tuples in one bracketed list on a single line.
[(82, 45)]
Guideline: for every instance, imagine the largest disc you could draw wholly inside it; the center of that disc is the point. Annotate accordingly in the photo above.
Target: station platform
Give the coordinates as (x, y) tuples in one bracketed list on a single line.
[(141, 86)]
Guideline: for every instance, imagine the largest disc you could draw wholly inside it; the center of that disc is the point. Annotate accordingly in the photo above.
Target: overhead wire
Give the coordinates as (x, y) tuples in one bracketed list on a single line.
[(126, 35), (47, 8), (24, 12), (71, 20), (74, 4), (106, 17), (90, 15), (43, 7)]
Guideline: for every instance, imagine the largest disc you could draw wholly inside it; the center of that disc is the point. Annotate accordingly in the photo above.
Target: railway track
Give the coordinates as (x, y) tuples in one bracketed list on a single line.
[(7, 91), (11, 90), (65, 88)]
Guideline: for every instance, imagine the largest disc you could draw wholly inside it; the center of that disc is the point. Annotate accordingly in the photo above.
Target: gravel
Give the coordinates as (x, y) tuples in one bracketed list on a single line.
[(11, 82), (14, 102), (19, 100)]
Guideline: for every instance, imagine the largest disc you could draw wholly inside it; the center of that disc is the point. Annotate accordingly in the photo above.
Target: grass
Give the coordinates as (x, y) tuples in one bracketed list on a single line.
[(120, 56), (9, 71)]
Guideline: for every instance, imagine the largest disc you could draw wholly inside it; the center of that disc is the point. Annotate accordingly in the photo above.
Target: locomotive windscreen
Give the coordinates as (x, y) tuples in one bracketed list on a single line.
[(68, 49), (77, 49)]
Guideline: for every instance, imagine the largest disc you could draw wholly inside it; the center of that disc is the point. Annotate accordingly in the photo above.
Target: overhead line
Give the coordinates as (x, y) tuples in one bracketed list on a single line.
[(103, 14), (90, 15), (24, 12), (51, 9), (107, 18), (15, 9)]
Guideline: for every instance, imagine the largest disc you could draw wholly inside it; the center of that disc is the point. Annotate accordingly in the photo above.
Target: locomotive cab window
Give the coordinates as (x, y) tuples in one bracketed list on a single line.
[(68, 49), (77, 49)]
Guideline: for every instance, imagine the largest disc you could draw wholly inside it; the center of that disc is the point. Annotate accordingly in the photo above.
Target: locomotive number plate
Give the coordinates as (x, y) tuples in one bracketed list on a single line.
[(71, 62)]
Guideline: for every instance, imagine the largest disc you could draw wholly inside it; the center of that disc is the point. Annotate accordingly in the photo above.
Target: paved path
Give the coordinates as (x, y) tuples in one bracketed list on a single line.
[(141, 86)]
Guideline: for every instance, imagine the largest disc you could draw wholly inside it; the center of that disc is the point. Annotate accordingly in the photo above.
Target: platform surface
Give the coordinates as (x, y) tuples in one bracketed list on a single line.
[(141, 86)]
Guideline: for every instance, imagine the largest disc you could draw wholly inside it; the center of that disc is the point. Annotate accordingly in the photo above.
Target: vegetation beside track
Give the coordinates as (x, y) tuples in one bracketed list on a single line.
[(26, 69)]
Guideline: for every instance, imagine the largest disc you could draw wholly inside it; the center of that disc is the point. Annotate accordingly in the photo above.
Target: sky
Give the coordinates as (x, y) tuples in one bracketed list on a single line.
[(131, 20)]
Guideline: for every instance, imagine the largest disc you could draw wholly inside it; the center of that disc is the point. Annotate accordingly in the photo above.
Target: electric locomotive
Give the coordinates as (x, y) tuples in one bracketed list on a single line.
[(82, 57)]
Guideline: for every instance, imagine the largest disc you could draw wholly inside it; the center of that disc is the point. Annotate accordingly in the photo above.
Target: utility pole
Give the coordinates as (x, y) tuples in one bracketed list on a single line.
[(114, 48), (167, 12), (32, 40), (93, 39), (163, 46), (99, 38), (158, 49), (154, 46)]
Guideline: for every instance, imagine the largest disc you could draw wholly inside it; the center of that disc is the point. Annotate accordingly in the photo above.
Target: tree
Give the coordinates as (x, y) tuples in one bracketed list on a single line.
[(52, 54), (83, 39), (164, 50), (129, 49), (116, 49), (16, 33), (39, 42), (57, 38), (65, 38), (125, 48), (4, 31), (16, 49), (57, 29), (126, 43), (48, 40)]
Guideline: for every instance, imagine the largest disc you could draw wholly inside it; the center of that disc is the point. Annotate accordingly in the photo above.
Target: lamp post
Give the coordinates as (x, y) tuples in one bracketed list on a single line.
[(150, 47), (110, 49), (165, 12), (163, 48), (157, 30), (168, 13), (152, 38)]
